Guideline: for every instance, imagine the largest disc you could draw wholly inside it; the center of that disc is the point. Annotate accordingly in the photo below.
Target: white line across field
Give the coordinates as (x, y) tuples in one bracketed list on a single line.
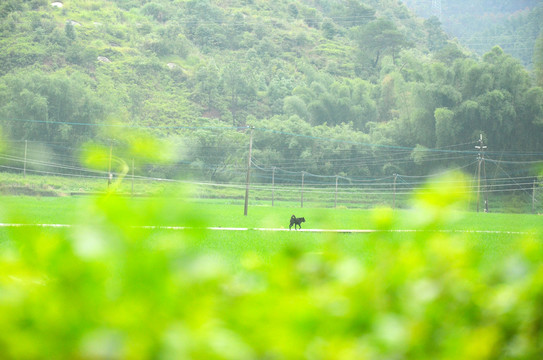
[(34, 225), (345, 231)]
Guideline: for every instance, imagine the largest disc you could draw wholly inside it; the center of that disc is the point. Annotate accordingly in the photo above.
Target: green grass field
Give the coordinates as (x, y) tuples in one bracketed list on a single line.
[(217, 213), (431, 282), (491, 234)]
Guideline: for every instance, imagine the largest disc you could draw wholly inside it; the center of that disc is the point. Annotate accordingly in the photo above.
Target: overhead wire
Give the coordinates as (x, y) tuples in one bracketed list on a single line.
[(279, 132), (291, 170)]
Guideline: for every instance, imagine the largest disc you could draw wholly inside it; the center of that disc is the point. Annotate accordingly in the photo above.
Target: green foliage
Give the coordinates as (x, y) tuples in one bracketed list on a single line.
[(437, 38), (481, 25), (55, 104), (70, 31), (534, 105), (446, 129), (353, 13), (538, 59), (379, 37), (364, 65), (10, 6), (109, 288), (157, 11)]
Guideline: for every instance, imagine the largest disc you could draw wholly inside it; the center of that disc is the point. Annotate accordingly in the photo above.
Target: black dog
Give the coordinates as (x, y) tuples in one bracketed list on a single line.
[(296, 222)]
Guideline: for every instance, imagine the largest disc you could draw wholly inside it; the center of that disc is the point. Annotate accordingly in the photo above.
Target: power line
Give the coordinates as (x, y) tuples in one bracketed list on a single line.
[(279, 132), (131, 126)]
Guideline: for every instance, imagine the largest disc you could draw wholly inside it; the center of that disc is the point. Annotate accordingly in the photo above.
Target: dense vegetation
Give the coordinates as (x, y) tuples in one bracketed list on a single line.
[(366, 72), (514, 25), (109, 289)]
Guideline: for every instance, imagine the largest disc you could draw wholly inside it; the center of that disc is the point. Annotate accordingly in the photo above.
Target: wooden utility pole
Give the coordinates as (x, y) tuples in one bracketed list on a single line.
[(248, 180)]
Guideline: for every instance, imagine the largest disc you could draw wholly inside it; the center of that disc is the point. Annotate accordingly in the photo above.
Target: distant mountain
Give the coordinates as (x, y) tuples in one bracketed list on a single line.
[(482, 24)]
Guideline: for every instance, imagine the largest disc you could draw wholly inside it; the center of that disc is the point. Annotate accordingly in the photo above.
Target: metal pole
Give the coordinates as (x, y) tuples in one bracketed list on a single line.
[(480, 158), (248, 174), (24, 166), (273, 185)]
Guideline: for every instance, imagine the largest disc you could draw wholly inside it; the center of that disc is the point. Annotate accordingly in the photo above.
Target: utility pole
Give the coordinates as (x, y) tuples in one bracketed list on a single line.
[(480, 160), (24, 166), (248, 180)]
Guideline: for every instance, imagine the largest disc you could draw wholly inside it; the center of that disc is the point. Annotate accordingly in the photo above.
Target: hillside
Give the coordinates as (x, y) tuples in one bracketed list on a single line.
[(362, 72), (480, 25)]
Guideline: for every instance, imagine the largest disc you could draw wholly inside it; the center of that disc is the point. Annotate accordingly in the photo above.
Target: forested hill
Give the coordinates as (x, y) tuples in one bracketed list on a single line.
[(482, 24), (363, 72)]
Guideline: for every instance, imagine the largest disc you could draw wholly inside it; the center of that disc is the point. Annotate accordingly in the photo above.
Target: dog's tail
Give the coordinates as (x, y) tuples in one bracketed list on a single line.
[(293, 217)]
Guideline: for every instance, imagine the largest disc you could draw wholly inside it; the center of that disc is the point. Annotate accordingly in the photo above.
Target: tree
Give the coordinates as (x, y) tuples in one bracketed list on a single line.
[(447, 130), (437, 38), (467, 116), (156, 10), (293, 10), (380, 37), (239, 88), (207, 85), (293, 105), (311, 17), (10, 6), (352, 13), (50, 107), (387, 101), (498, 117), (449, 53), (328, 29), (533, 105)]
